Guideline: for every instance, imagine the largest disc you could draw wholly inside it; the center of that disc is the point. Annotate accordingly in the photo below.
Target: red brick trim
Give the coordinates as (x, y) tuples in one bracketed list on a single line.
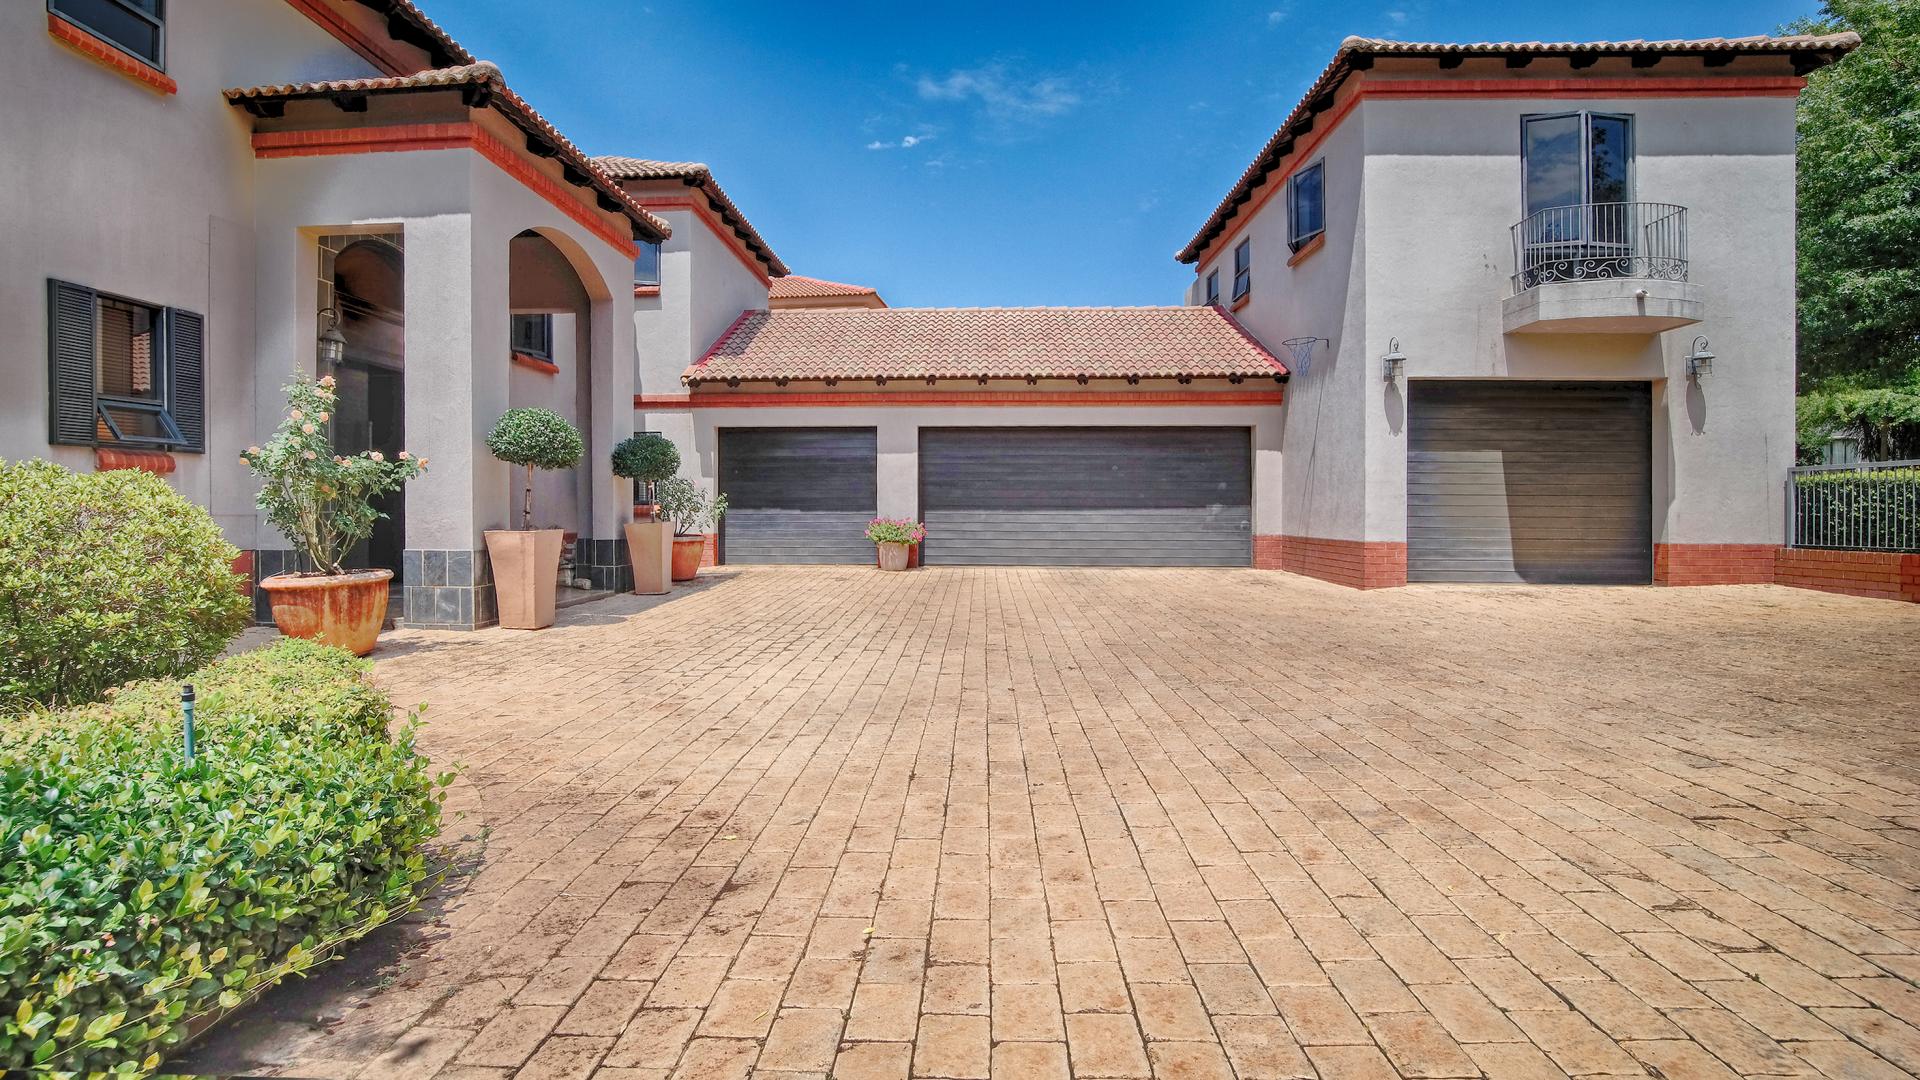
[(710, 554), (989, 398), (157, 462), (108, 55), (1713, 564), (1884, 575), (1358, 564), (243, 569), (399, 138), (643, 291), (534, 363), (343, 31), (705, 213)]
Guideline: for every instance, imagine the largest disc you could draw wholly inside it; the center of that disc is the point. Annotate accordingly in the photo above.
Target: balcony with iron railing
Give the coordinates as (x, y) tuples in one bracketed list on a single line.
[(1618, 268)]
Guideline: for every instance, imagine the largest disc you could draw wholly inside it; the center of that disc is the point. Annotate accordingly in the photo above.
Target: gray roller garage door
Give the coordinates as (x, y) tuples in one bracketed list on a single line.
[(797, 495), (1546, 482), (1087, 496)]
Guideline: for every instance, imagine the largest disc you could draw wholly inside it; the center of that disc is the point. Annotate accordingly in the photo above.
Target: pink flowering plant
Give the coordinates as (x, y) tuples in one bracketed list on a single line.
[(896, 531), (319, 500)]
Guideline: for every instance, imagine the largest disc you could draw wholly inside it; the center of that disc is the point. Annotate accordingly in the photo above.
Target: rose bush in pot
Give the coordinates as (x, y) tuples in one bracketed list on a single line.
[(322, 502), (526, 561)]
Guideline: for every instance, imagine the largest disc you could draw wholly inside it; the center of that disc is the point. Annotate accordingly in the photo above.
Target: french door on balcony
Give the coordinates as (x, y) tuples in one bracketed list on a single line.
[(1578, 184)]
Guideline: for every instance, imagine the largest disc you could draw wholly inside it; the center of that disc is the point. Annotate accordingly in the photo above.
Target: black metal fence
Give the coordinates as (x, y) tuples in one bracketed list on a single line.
[(1862, 507), (1589, 241)]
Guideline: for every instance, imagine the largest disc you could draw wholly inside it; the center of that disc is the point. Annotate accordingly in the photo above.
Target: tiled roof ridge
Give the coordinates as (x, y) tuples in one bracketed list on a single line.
[(476, 73), (621, 167), (1341, 65), (795, 284)]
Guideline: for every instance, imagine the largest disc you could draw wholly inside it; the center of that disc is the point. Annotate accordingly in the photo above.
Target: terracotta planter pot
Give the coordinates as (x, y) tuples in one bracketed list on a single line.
[(894, 556), (342, 610), (686, 556), (526, 566), (650, 550), (913, 556)]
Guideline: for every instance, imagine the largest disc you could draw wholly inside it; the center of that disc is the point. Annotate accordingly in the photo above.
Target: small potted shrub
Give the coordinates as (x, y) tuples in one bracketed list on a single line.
[(693, 513), (323, 504), (897, 539), (648, 459), (526, 560)]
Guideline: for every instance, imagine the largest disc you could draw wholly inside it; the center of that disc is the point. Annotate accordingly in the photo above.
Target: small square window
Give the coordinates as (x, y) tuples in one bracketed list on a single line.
[(646, 268), (1306, 205), (1242, 269), (533, 336), (136, 26), (1213, 287)]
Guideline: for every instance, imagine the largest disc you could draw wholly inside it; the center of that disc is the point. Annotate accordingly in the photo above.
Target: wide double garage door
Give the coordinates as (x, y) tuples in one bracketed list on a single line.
[(1003, 496), (1516, 481)]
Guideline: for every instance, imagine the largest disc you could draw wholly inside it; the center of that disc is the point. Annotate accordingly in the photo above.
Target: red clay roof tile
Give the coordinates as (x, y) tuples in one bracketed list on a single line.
[(697, 175)]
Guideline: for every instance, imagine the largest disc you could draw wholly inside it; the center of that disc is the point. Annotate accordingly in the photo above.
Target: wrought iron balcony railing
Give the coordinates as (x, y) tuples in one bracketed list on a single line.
[(1598, 241)]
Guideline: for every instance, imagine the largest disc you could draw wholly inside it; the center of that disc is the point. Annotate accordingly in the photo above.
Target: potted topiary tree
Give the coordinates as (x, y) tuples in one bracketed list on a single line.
[(692, 514), (648, 459), (526, 560), (323, 504)]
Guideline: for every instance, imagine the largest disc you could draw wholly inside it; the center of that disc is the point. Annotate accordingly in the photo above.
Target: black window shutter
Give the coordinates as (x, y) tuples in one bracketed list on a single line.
[(72, 313), (187, 378)]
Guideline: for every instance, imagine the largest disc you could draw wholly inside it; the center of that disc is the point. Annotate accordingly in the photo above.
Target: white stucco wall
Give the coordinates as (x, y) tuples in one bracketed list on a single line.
[(1443, 187), (151, 196)]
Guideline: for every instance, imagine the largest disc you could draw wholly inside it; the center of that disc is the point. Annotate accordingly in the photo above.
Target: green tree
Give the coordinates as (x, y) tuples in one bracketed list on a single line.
[(1859, 270)]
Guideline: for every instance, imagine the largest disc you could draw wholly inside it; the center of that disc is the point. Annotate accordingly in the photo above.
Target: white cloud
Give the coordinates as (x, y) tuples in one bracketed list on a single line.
[(1003, 94), (1397, 18), (1276, 16), (904, 142)]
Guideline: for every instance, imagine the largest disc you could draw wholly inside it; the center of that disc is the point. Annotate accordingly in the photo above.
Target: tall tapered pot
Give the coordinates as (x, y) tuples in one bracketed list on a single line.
[(526, 567)]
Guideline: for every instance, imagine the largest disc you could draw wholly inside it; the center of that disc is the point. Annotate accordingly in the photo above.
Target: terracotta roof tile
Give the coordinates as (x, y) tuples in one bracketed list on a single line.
[(1355, 52), (695, 174), (993, 343), (500, 96), (796, 286)]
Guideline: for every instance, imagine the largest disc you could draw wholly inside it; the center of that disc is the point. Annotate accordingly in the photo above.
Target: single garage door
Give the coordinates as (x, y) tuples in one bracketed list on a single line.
[(1545, 482), (797, 495), (1087, 496)]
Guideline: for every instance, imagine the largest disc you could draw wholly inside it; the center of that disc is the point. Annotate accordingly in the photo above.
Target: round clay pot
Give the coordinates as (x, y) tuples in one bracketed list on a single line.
[(342, 610), (894, 556), (686, 556)]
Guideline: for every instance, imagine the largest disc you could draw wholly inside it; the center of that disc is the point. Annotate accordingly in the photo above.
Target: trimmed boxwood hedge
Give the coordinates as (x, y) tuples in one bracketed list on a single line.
[(138, 893)]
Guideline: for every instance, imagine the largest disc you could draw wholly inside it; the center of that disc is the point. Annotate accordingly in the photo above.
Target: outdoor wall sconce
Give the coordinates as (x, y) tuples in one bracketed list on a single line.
[(333, 343), (1394, 364), (1700, 360)]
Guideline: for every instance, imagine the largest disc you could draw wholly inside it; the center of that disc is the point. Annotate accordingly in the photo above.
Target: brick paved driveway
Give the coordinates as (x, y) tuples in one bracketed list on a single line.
[(1180, 823)]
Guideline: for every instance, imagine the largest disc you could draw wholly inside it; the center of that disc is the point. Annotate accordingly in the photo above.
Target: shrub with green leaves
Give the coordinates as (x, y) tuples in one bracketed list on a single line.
[(106, 577), (1867, 509), (139, 892), (689, 508), (646, 458), (535, 439)]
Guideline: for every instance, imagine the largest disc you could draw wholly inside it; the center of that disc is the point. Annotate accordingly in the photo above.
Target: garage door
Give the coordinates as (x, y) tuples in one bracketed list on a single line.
[(1087, 496), (1546, 482), (797, 495)]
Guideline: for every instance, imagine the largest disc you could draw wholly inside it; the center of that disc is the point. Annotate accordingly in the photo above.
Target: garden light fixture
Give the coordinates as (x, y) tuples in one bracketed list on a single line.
[(1394, 364), (333, 343)]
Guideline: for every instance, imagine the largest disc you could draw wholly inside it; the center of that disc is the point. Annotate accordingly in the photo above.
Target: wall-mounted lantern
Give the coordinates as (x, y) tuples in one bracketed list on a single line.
[(1394, 364), (1700, 360), (333, 343)]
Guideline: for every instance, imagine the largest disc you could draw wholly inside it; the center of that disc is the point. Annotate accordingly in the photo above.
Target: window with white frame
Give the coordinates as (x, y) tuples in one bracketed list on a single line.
[(1243, 269), (1306, 205), (138, 27)]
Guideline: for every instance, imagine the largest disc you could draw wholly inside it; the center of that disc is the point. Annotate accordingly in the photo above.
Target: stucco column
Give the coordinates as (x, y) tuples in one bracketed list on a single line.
[(609, 414), (456, 296), (897, 468)]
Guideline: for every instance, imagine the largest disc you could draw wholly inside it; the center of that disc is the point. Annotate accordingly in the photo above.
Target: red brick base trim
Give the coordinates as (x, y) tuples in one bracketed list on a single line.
[(710, 554), (243, 569), (1885, 575), (1713, 564), (1358, 564)]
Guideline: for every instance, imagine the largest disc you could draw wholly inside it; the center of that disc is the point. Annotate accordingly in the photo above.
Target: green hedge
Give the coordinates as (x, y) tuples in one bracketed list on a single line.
[(137, 892), (1868, 510)]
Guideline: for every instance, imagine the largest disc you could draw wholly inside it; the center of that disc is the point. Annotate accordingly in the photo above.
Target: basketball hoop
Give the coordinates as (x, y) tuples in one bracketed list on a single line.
[(1302, 349)]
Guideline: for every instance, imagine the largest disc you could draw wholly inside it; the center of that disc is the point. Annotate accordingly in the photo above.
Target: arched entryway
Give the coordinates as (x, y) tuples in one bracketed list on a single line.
[(362, 279)]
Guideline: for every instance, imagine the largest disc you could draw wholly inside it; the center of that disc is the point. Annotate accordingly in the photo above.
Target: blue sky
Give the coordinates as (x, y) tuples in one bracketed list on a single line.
[(983, 153)]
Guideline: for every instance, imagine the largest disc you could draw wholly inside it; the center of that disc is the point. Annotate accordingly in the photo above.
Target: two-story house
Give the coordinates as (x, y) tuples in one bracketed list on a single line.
[(1538, 300), (206, 198)]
